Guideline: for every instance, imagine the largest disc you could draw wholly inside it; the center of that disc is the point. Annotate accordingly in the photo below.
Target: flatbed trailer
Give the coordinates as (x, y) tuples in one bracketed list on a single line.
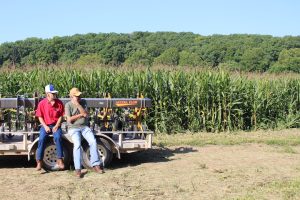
[(19, 134)]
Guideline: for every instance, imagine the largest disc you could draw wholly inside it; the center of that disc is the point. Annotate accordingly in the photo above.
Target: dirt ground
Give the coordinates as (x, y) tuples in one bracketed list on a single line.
[(247, 171)]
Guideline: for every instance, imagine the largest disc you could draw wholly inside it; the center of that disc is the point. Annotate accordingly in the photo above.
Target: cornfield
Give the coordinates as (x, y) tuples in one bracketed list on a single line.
[(182, 101)]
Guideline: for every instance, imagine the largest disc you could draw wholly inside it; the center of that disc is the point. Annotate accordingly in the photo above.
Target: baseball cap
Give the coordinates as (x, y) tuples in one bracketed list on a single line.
[(75, 92), (50, 89)]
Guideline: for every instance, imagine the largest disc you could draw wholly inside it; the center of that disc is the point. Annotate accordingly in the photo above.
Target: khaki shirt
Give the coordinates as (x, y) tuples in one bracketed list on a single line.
[(71, 110)]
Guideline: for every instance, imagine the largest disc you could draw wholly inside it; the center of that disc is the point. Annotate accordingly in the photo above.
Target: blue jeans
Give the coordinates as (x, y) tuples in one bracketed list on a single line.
[(87, 133), (42, 142)]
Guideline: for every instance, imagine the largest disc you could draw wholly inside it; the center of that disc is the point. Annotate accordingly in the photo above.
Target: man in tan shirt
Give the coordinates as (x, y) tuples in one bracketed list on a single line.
[(77, 119)]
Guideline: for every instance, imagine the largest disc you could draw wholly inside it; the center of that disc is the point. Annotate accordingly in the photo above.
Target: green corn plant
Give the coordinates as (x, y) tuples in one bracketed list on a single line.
[(182, 100)]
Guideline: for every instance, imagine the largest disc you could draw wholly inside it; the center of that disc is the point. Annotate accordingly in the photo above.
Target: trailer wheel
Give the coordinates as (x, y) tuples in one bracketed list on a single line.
[(104, 150), (49, 159)]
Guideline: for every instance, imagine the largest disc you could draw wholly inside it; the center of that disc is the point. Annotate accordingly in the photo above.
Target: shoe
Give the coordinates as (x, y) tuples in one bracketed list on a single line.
[(39, 165), (98, 169), (78, 173), (102, 168), (60, 164)]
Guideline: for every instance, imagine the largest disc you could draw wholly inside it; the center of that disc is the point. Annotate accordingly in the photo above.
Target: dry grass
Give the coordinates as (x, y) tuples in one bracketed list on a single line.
[(288, 137), (230, 169)]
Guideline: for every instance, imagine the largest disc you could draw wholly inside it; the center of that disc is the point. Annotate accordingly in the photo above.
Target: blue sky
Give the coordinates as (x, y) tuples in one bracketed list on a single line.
[(20, 19)]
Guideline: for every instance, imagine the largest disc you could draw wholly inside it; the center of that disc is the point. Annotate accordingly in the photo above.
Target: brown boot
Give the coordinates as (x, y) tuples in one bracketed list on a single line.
[(98, 169), (78, 173), (60, 164), (39, 165)]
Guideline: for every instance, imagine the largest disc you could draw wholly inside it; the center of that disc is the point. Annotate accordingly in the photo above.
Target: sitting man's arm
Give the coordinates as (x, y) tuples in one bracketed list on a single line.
[(57, 125), (72, 119), (47, 129), (82, 110)]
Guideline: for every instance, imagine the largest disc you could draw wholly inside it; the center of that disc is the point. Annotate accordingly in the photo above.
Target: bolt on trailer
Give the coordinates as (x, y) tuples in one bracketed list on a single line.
[(118, 124)]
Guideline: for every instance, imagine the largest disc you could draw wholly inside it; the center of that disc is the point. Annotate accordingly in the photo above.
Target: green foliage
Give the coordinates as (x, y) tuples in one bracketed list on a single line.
[(90, 59), (278, 68), (231, 66), (195, 100), (115, 49), (289, 60), (290, 57), (242, 51), (139, 58), (285, 139), (255, 59), (168, 57), (190, 59)]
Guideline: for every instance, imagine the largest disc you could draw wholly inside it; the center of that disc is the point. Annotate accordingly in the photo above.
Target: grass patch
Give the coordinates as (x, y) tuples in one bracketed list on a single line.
[(286, 138), (281, 189), (289, 149)]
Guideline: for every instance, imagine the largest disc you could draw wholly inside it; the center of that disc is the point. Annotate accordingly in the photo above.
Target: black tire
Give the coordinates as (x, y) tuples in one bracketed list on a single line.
[(49, 159), (104, 150)]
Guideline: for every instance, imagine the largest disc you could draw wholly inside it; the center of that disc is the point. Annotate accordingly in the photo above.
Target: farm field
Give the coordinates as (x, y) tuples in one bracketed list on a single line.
[(195, 100), (242, 165)]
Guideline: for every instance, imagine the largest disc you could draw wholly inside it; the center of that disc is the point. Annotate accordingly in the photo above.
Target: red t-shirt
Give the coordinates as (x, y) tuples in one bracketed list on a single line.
[(50, 113)]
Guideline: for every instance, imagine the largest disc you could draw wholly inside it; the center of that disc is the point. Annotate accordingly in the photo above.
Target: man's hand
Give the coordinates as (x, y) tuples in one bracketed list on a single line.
[(54, 129), (48, 130), (84, 114)]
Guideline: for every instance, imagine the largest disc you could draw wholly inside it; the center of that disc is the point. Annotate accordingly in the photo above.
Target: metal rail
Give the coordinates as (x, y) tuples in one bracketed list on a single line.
[(91, 102)]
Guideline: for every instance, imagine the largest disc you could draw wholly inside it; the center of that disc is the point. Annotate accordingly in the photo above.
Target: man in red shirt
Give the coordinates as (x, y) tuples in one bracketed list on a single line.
[(50, 112)]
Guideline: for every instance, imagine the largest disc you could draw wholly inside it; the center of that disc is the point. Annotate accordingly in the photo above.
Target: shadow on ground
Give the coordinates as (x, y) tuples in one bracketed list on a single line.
[(16, 162), (155, 155)]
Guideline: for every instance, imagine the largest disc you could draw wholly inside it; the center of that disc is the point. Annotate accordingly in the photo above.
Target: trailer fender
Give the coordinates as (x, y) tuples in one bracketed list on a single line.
[(113, 144), (34, 144), (32, 148)]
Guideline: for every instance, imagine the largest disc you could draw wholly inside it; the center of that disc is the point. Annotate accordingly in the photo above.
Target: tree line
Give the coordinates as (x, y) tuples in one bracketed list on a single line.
[(245, 52)]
